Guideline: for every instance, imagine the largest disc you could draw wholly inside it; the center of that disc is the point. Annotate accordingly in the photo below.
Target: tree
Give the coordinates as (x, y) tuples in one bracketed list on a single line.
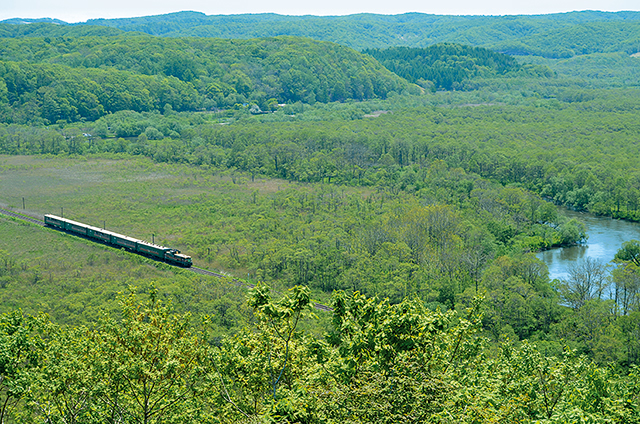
[(279, 320), (65, 385), (587, 280), (629, 252), (394, 363), (146, 367), (571, 232), (625, 289), (20, 352), (149, 365), (251, 366)]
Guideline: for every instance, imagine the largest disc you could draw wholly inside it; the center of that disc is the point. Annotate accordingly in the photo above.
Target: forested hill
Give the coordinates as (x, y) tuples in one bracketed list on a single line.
[(13, 29), (73, 78), (556, 35), (443, 66)]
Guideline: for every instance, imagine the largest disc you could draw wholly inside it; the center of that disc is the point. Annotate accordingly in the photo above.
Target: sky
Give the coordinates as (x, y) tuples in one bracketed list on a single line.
[(81, 10)]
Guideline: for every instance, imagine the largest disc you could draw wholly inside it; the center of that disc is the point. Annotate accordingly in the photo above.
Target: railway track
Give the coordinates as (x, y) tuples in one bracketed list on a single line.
[(215, 274), (22, 217), (197, 270)]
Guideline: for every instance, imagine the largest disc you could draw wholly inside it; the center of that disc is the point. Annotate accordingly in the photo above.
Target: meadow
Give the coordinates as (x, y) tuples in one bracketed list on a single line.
[(75, 280)]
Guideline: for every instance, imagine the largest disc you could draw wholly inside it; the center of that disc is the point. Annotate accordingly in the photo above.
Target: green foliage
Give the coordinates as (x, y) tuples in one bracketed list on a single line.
[(520, 302), (388, 242), (389, 363), (143, 73), (394, 362), (259, 371), (576, 40), (145, 367), (601, 69), (425, 200), (381, 363), (64, 389), (552, 35), (20, 356), (279, 322), (446, 65), (629, 252), (536, 147)]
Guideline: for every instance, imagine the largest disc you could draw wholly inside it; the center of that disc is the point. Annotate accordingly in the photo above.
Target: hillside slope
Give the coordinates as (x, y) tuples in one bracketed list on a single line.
[(554, 35), (443, 66), (71, 78)]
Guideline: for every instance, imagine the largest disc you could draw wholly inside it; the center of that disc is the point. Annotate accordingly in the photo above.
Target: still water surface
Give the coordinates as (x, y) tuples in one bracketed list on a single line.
[(606, 236)]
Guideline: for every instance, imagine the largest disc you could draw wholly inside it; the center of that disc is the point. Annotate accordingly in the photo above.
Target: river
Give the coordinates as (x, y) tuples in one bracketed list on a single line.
[(606, 236)]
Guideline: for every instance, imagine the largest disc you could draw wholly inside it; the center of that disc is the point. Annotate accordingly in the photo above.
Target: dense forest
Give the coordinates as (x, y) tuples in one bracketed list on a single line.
[(83, 78), (380, 363), (408, 185), (443, 66)]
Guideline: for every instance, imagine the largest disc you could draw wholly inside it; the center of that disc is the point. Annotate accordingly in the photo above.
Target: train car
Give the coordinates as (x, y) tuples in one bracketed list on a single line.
[(128, 243), (54, 221), (70, 225), (100, 234), (155, 251), (76, 227), (152, 250)]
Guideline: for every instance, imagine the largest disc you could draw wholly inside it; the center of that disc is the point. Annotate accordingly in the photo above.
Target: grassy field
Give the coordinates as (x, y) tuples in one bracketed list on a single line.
[(75, 281), (203, 213), (132, 196)]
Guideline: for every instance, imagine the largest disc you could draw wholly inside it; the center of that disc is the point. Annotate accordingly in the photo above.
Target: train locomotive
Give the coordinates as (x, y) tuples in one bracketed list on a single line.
[(151, 250)]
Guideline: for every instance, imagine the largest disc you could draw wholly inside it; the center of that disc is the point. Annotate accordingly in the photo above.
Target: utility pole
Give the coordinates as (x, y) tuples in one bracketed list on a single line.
[(23, 208), (62, 212)]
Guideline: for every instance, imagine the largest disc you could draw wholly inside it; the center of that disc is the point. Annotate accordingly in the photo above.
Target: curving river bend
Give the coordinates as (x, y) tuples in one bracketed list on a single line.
[(606, 236)]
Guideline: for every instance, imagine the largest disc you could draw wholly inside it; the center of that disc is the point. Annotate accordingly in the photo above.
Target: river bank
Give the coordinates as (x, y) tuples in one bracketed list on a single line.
[(606, 236)]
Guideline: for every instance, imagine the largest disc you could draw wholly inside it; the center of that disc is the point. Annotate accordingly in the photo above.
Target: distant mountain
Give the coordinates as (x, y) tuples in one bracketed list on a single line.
[(576, 40), (554, 35), (43, 29), (20, 21), (163, 25)]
